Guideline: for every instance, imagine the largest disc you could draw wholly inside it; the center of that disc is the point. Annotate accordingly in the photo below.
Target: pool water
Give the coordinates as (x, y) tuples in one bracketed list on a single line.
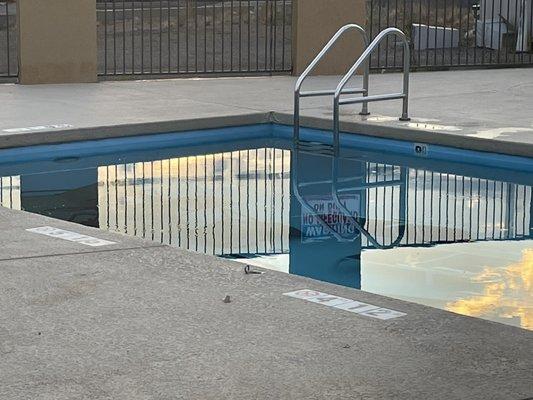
[(438, 226)]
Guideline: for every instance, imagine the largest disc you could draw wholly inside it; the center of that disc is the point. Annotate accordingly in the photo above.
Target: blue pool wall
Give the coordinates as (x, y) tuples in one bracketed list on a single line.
[(260, 131)]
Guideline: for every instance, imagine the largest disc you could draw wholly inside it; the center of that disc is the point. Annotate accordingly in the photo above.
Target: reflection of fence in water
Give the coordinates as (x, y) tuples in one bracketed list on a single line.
[(10, 192), (226, 203), (443, 208), (238, 202)]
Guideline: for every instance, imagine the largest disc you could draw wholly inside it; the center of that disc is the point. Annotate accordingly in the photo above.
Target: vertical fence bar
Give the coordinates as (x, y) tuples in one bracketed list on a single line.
[(492, 32), (186, 36), (160, 39), (530, 32), (240, 41), (484, 33), (379, 49), (405, 27), (428, 24), (444, 16), (178, 36), (231, 36), (435, 39), (213, 44), (396, 10), (205, 37), (142, 40), (8, 41), (195, 36), (283, 39), (371, 29), (387, 24), (460, 32), (150, 14), (266, 34), (249, 26), (124, 37), (419, 32), (274, 34), (222, 68), (114, 38), (257, 35), (270, 26), (515, 25), (169, 56), (451, 30), (524, 36), (133, 38), (467, 38), (105, 37), (475, 25), (499, 31)]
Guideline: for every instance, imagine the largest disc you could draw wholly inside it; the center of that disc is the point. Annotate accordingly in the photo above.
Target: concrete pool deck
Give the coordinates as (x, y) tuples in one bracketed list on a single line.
[(487, 110), (136, 320)]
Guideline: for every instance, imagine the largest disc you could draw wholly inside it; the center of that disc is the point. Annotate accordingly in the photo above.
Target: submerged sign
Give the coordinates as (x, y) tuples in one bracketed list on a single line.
[(325, 209)]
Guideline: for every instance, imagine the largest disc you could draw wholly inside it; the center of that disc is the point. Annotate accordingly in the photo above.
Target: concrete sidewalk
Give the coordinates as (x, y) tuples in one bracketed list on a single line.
[(134, 320), (488, 110)]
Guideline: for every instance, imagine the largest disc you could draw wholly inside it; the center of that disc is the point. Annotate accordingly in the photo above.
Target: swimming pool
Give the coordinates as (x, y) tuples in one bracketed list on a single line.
[(439, 226)]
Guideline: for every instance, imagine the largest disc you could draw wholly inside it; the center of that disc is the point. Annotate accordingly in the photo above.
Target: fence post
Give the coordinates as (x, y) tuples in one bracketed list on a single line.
[(57, 41), (315, 22)]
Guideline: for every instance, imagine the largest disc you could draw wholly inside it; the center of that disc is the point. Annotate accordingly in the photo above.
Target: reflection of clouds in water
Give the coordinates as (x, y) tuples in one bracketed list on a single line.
[(508, 293)]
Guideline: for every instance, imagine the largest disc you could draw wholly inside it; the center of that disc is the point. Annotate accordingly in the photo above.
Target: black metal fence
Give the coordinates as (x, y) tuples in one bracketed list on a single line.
[(155, 37), (8, 40), (454, 33)]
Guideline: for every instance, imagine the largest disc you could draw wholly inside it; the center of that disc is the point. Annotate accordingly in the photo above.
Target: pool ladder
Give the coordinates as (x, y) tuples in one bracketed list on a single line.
[(362, 61)]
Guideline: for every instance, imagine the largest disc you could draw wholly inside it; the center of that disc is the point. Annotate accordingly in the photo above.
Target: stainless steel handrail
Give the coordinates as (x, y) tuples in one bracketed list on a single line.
[(297, 90), (364, 58), (365, 99)]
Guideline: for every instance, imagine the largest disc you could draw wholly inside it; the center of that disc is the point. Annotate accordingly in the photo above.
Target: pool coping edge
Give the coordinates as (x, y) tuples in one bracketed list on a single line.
[(375, 129)]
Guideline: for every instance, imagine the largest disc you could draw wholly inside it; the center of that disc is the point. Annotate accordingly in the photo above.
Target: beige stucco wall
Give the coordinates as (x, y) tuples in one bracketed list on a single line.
[(57, 40), (314, 22)]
